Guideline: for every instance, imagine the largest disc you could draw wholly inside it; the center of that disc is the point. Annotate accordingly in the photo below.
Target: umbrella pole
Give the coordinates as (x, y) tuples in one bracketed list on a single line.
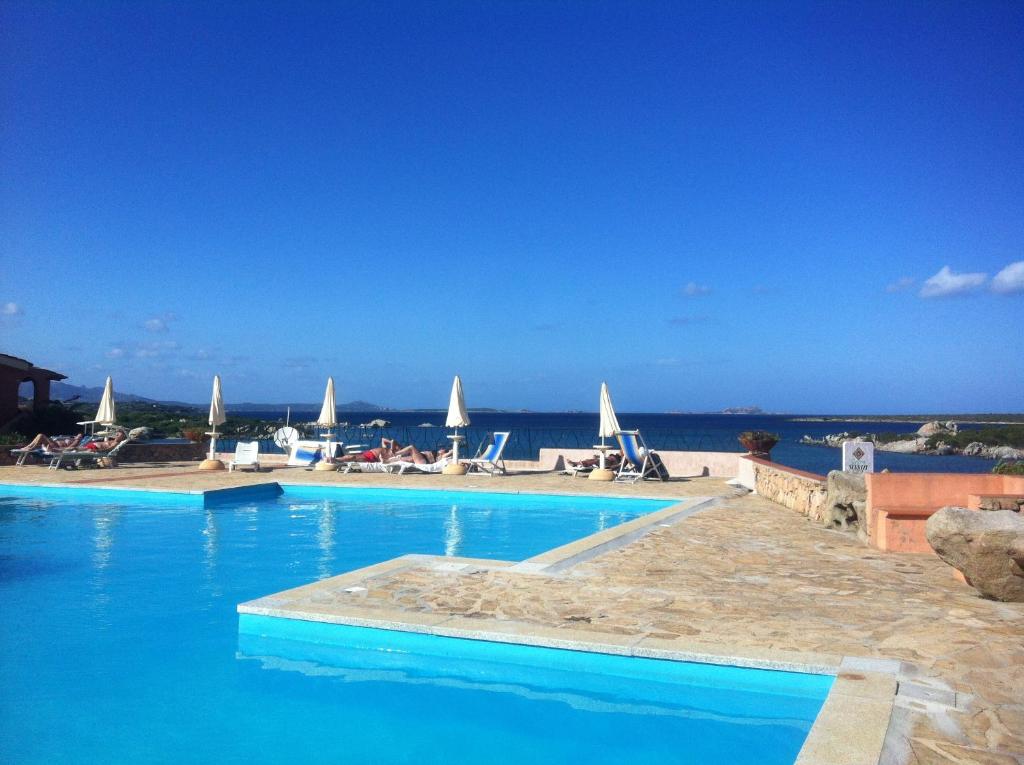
[(211, 462), (327, 463), (455, 467)]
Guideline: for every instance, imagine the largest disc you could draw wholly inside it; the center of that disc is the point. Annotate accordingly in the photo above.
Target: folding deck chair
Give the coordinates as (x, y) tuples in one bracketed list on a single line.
[(488, 457), (638, 461)]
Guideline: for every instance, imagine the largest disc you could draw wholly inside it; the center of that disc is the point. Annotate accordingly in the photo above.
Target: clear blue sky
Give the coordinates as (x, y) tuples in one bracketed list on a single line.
[(809, 207)]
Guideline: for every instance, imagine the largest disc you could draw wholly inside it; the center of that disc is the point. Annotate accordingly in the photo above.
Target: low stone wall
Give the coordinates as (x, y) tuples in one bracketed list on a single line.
[(803, 492), (140, 451)]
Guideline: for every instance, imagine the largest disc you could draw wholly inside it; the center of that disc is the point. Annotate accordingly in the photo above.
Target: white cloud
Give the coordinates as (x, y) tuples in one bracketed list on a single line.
[(11, 309), (156, 349), (115, 353), (1010, 279), (695, 290), (159, 323), (946, 283), (902, 284)]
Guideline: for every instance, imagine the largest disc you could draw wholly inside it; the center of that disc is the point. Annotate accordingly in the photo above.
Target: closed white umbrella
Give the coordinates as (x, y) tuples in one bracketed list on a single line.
[(609, 422), (217, 414), (457, 417), (106, 415), (328, 419), (328, 415)]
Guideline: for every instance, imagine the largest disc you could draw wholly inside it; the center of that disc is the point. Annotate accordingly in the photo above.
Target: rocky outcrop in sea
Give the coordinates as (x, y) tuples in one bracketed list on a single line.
[(918, 443)]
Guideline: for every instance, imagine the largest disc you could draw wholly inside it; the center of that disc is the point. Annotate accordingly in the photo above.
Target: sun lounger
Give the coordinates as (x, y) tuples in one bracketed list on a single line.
[(372, 467), (488, 458), (638, 462), (399, 467), (305, 453), (247, 454), (423, 467), (84, 457), (23, 454)]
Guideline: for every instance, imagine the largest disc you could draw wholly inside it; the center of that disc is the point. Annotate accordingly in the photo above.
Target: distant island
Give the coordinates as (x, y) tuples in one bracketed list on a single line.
[(743, 410)]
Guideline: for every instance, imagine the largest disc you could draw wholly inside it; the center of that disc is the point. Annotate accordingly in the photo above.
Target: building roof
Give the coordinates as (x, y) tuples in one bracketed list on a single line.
[(13, 362)]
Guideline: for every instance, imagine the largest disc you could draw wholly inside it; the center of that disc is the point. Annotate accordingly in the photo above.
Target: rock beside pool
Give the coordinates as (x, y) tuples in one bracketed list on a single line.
[(845, 502), (986, 547)]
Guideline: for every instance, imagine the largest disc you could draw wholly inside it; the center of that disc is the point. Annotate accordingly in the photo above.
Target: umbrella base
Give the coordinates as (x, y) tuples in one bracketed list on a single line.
[(454, 469), (212, 465), (602, 475), (325, 466)]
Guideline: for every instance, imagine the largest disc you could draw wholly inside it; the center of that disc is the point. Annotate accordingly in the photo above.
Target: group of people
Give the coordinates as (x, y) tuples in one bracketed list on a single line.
[(392, 451), (69, 443)]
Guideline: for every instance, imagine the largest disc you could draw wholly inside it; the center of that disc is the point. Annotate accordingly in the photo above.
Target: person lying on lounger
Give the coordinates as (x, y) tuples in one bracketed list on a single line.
[(55, 444), (387, 449), (106, 444), (411, 454), (611, 462)]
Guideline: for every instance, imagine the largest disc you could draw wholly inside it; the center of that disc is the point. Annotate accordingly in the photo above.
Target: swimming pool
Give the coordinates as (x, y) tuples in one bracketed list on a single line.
[(120, 640)]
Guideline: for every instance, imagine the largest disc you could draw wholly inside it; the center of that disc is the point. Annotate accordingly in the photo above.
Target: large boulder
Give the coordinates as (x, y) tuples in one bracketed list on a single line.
[(935, 428), (845, 502), (987, 547)]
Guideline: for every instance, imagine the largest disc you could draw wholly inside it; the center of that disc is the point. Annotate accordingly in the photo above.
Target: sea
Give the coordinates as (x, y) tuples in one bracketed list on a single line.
[(691, 432)]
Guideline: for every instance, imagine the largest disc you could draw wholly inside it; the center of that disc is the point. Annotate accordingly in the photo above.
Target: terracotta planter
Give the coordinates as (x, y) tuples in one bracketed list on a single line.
[(758, 443)]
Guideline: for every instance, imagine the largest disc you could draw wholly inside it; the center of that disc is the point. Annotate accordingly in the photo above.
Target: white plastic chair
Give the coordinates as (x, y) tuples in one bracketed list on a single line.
[(247, 454)]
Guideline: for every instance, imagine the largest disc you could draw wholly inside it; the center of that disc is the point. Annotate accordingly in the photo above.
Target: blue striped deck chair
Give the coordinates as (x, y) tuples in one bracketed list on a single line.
[(638, 462), (488, 457)]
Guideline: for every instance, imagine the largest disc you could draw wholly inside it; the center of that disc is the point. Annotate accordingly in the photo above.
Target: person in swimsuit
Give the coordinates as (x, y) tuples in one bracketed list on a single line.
[(387, 449), (411, 454), (611, 462), (55, 444), (107, 444)]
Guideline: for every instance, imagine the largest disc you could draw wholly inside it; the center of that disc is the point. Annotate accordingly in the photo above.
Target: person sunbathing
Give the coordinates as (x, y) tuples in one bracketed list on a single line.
[(411, 454), (55, 444), (106, 444), (387, 449), (611, 462)]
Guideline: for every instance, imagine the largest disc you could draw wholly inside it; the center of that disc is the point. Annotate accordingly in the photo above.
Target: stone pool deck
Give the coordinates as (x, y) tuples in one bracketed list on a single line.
[(743, 577)]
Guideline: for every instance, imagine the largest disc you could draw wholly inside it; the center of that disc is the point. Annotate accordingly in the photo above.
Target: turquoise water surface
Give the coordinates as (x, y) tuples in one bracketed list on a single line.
[(120, 642)]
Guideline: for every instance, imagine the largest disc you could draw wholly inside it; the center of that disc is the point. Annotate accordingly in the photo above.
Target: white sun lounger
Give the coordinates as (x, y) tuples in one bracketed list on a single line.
[(247, 454), (400, 467)]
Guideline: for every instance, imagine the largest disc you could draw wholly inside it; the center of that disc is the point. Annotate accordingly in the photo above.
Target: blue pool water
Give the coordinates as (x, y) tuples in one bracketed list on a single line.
[(120, 641)]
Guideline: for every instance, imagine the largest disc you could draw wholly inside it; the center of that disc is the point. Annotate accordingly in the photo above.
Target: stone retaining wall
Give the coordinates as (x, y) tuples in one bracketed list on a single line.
[(140, 451), (798, 490)]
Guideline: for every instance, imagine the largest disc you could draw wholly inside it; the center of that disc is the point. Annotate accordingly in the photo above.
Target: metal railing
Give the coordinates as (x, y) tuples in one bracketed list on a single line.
[(523, 443)]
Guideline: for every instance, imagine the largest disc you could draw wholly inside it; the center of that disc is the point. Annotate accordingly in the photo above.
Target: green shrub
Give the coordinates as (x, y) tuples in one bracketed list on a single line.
[(1013, 467), (1006, 435)]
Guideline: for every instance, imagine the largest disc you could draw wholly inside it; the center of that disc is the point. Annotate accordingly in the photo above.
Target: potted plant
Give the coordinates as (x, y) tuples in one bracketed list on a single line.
[(195, 435), (759, 442)]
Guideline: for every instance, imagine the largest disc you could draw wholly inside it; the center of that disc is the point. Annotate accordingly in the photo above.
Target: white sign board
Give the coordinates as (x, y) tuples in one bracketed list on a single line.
[(858, 457)]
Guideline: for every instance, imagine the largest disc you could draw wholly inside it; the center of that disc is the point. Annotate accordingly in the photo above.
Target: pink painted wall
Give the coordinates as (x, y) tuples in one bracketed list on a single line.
[(899, 504)]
